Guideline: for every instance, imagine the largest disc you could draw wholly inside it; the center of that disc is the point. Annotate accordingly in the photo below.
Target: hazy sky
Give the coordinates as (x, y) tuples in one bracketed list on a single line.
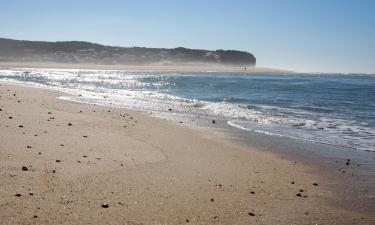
[(302, 35)]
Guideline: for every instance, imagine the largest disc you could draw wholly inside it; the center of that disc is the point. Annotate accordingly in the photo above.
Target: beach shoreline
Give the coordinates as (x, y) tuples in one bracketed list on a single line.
[(148, 170), (146, 67)]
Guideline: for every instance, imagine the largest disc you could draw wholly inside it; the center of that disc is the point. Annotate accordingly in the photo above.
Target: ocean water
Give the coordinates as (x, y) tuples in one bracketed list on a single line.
[(334, 109)]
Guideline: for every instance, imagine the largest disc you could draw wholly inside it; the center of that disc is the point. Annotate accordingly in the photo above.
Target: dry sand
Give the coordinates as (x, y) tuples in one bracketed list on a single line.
[(147, 67), (148, 171)]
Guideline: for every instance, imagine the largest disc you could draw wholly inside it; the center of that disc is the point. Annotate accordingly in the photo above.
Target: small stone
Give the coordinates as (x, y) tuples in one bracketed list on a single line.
[(49, 113), (299, 195), (213, 121), (252, 192), (35, 216), (187, 220), (53, 171), (18, 195), (301, 190), (39, 153), (212, 200), (104, 205), (70, 124), (169, 109), (24, 168), (10, 117), (20, 126), (315, 184), (31, 193), (251, 214), (58, 160), (85, 136), (28, 146), (292, 182)]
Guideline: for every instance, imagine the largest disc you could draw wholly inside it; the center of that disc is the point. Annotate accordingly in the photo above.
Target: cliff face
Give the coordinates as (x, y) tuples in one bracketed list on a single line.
[(86, 52)]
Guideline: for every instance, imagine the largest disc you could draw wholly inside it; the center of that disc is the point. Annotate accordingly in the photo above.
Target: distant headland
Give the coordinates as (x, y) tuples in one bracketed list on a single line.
[(80, 52)]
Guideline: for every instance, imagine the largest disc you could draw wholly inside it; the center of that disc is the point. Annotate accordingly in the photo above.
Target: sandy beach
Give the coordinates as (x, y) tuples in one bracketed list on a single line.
[(69, 163)]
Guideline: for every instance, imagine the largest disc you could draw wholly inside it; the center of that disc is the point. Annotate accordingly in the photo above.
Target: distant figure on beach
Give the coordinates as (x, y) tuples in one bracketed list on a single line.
[(245, 68)]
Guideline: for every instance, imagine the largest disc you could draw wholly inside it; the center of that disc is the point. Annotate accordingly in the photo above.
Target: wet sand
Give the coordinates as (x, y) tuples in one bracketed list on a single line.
[(70, 163)]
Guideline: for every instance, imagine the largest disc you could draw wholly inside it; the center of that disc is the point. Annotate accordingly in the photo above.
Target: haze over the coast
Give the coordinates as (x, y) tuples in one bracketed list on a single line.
[(306, 36)]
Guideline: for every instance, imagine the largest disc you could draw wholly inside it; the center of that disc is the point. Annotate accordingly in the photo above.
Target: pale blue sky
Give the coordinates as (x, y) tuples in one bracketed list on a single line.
[(302, 35)]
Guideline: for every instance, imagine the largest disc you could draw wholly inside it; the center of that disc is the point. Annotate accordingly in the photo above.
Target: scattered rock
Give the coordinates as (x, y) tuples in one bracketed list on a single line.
[(292, 182), (31, 193), (251, 214), (24, 168), (20, 126), (104, 205), (39, 153), (181, 122), (35, 216), (213, 121), (252, 192), (212, 200), (169, 109), (49, 113), (70, 124), (18, 195), (187, 220), (315, 184), (85, 136), (28, 146), (299, 195), (10, 117), (301, 190), (53, 171), (58, 160)]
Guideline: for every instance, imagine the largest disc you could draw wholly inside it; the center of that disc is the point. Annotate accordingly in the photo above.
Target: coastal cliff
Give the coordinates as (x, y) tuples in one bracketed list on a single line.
[(78, 52)]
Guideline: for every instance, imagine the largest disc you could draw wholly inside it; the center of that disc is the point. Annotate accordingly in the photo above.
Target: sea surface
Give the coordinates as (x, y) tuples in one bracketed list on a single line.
[(333, 109)]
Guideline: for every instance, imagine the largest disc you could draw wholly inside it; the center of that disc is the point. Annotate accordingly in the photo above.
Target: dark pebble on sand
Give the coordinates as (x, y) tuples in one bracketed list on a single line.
[(301, 190), (169, 109), (39, 153), (84, 136), (105, 205), (31, 193), (315, 184), (252, 192), (35, 216), (20, 126), (10, 117), (251, 214), (18, 195), (347, 163), (53, 171), (24, 168), (181, 122), (28, 146), (70, 124), (213, 121), (292, 182), (49, 113), (58, 160), (1, 110), (212, 200), (299, 195)]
